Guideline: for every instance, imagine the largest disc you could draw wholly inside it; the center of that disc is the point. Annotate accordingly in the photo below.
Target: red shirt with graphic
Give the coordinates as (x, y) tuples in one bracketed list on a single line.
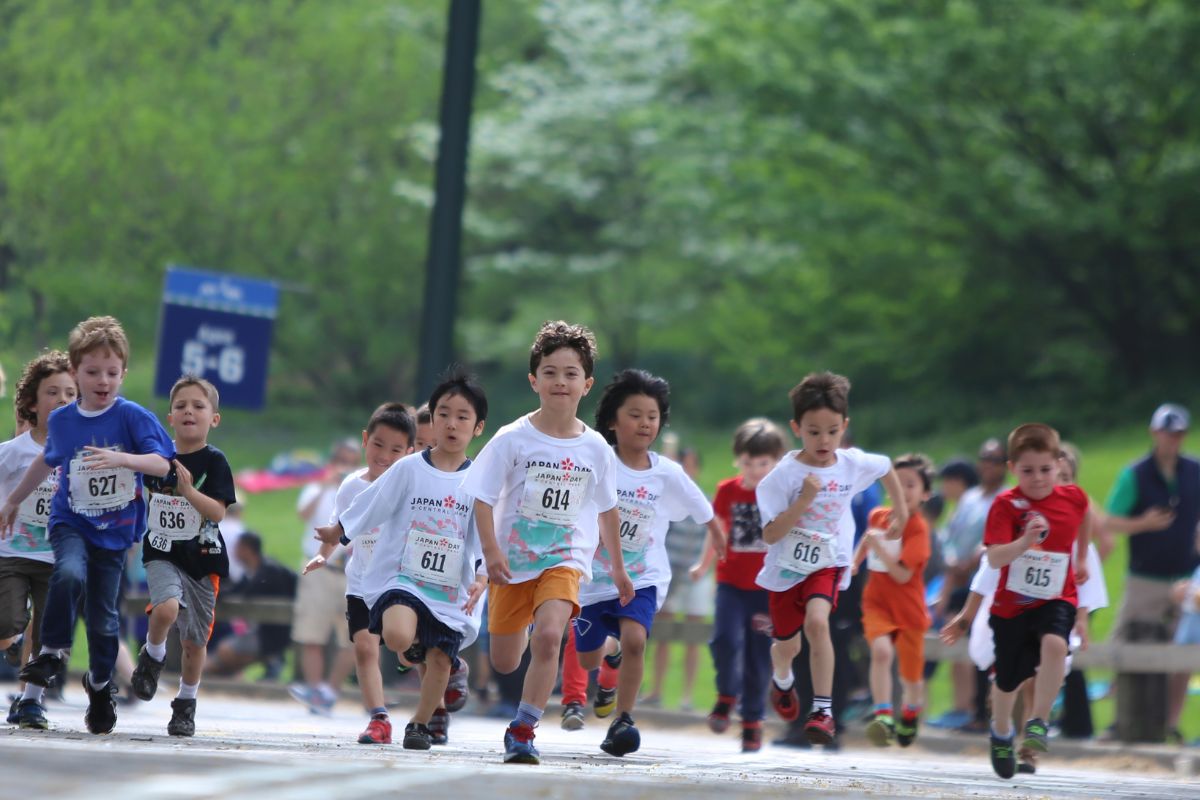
[(737, 508), (1064, 509)]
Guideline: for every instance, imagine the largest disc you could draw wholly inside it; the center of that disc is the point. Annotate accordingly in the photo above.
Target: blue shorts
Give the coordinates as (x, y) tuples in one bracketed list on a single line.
[(598, 621)]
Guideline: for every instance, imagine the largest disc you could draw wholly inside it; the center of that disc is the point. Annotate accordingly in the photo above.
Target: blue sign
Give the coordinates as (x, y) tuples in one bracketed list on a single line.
[(217, 327)]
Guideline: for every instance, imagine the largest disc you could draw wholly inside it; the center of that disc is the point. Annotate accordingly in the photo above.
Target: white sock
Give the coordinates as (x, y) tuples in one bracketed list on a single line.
[(54, 651), (187, 691), (786, 683), (33, 692), (95, 684), (157, 651)]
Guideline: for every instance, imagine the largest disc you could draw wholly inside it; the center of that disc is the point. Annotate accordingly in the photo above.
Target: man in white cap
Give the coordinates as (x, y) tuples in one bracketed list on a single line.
[(1156, 502)]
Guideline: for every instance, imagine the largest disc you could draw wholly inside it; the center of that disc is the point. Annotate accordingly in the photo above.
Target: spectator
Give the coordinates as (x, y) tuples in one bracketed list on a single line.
[(264, 577), (1156, 503)]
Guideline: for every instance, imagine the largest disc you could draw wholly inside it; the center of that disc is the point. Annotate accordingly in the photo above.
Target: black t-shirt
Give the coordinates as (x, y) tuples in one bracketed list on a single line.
[(204, 554)]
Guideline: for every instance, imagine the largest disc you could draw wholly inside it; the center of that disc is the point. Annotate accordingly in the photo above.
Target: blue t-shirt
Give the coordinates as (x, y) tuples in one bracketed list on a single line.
[(123, 426)]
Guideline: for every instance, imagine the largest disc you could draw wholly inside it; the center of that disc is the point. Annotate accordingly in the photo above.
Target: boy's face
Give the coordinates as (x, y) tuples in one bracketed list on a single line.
[(53, 392), (637, 423), (560, 382), (953, 488), (385, 446), (754, 468), (99, 375), (192, 416), (1037, 473), (821, 431), (913, 488), (455, 423), (1066, 473), (425, 439)]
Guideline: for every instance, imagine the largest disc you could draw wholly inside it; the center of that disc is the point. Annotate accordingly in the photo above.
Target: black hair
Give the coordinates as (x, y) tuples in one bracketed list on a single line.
[(251, 540), (457, 381), (921, 463), (820, 390), (624, 385), (395, 416), (961, 469)]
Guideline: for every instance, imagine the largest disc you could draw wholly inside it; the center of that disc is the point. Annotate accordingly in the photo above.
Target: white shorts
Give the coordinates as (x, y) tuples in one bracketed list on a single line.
[(691, 598)]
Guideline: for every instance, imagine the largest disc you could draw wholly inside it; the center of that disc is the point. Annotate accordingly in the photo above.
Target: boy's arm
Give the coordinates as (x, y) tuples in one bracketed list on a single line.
[(714, 547), (497, 563), (318, 561), (860, 553), (779, 527), (1001, 555), (1082, 539), (898, 572), (610, 536), (961, 623), (37, 472), (209, 507), (895, 492), (146, 463)]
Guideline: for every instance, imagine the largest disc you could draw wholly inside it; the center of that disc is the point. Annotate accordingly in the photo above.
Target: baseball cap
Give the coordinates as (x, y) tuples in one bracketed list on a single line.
[(993, 450), (1171, 418)]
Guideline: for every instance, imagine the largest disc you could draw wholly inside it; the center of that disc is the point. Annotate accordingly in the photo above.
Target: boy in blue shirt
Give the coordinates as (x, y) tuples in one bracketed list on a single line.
[(104, 444)]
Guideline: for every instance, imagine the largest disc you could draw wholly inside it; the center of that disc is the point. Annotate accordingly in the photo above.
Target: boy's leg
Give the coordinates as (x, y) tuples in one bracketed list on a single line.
[(756, 676), (366, 665), (433, 685), (633, 657), (399, 627), (103, 617), (882, 656), (727, 644), (1002, 711), (549, 622), (1049, 680), (816, 630), (65, 589)]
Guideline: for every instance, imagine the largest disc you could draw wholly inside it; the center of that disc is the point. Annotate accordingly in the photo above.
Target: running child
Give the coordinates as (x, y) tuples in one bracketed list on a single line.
[(808, 526), (184, 553), (545, 493), (388, 437), (741, 647), (104, 444), (422, 583), (894, 615), (652, 492), (26, 557), (1037, 535)]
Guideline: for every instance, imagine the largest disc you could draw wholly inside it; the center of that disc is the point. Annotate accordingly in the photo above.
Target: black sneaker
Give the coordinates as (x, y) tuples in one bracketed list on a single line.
[(1026, 761), (439, 726), (614, 660), (46, 670), (101, 714), (13, 653), (1035, 736), (417, 737), (906, 730), (145, 675), (1004, 762), (622, 737), (415, 654), (32, 715), (183, 717)]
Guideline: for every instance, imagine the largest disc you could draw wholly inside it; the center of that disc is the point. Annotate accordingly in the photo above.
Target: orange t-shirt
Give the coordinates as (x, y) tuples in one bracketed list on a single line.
[(901, 603)]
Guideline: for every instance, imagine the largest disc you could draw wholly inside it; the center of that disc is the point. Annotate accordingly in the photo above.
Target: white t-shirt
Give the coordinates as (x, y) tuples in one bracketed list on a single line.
[(360, 552), (427, 544), (649, 501), (29, 538), (827, 521), (322, 514), (546, 494)]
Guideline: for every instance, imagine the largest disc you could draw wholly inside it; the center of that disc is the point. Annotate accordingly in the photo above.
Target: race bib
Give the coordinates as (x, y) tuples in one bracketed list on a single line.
[(806, 552), (173, 517), (1039, 574), (636, 521), (433, 558), (34, 511), (99, 489), (555, 496), (891, 546)]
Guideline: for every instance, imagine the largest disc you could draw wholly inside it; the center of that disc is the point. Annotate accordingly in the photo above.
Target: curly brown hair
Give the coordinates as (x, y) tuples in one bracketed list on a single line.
[(557, 335), (49, 363)]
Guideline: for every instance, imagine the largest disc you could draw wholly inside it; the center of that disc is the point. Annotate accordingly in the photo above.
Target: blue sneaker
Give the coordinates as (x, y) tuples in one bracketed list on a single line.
[(951, 719), (518, 745), (32, 715)]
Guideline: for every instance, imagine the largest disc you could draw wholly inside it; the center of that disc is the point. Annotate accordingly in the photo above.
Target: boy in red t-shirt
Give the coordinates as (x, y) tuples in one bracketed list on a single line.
[(741, 643), (1037, 536), (894, 616)]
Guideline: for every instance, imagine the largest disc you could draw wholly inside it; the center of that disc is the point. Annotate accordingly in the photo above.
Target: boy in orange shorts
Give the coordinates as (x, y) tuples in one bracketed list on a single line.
[(545, 496), (894, 616)]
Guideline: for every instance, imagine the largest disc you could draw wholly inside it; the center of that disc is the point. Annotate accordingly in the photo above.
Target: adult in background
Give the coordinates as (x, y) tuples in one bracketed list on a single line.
[(1156, 503), (263, 577)]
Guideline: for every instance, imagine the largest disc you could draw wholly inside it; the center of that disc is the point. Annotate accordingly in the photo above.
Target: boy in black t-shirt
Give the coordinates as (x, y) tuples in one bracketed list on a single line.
[(183, 550)]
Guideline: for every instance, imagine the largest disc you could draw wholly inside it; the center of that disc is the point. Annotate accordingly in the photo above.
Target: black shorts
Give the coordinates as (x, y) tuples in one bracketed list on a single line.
[(1018, 640), (431, 631), (358, 616)]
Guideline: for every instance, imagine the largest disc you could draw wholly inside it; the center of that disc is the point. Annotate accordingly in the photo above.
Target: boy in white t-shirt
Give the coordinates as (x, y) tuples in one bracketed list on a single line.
[(652, 492), (27, 559), (545, 495), (388, 437), (804, 504)]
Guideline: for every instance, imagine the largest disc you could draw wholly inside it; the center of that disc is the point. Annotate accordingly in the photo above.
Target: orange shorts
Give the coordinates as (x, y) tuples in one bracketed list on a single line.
[(910, 645), (511, 606)]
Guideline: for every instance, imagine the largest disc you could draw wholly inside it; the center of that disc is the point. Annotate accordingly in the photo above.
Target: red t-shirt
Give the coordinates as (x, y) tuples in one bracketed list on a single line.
[(737, 508), (1064, 509)]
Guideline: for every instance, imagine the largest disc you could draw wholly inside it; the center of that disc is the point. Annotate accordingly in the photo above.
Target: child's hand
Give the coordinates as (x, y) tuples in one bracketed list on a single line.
[(474, 592), (896, 528), (497, 568), (314, 564), (1081, 630), (1081, 573), (8, 517), (1036, 528), (183, 479), (329, 534), (953, 630), (812, 486), (624, 587), (696, 571), (103, 458), (720, 546)]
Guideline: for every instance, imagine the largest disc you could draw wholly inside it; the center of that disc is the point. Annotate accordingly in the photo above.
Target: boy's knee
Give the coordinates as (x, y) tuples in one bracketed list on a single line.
[(1054, 645), (633, 640), (397, 641), (882, 649), (504, 663), (816, 625), (545, 642)]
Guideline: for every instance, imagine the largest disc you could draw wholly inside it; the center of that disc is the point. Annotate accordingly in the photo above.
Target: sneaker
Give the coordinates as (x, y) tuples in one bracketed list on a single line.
[(145, 675), (622, 737), (417, 737), (718, 718), (12, 710), (45, 670), (785, 702), (906, 730), (518, 745), (301, 693), (378, 731), (457, 688), (1026, 762), (183, 717), (951, 719), (32, 715), (614, 661), (572, 716), (752, 736), (795, 737), (101, 714), (1003, 760), (881, 730), (820, 728), (605, 702), (439, 726), (1035, 736), (12, 654)]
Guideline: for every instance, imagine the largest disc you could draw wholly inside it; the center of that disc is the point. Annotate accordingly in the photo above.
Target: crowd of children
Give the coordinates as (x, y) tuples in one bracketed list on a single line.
[(563, 529)]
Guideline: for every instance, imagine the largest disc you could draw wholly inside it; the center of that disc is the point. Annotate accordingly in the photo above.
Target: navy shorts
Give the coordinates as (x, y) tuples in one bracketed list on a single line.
[(358, 616), (431, 631), (598, 621)]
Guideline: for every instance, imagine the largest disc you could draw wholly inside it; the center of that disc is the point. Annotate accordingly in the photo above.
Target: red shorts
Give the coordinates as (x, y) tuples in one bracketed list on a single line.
[(788, 608)]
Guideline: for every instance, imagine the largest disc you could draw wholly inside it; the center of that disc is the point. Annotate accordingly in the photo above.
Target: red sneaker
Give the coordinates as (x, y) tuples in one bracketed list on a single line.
[(786, 704), (457, 688), (379, 731), (820, 728), (752, 736), (718, 718)]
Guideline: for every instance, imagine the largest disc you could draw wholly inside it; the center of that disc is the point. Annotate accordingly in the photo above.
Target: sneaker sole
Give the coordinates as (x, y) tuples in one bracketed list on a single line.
[(572, 724), (613, 750), (818, 736), (369, 740), (718, 724), (521, 758), (34, 726), (905, 741), (421, 745), (879, 735), (605, 711)]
